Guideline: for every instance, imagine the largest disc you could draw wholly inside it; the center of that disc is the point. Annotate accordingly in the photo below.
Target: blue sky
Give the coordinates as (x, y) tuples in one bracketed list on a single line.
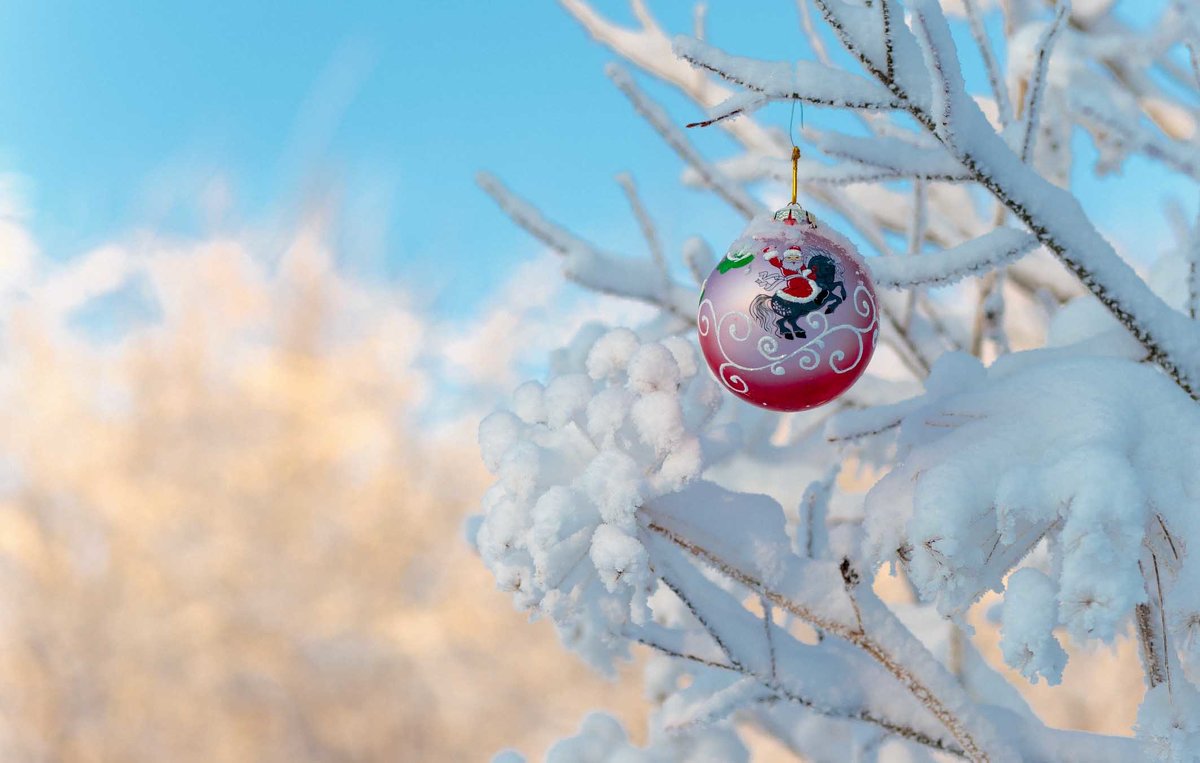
[(119, 115)]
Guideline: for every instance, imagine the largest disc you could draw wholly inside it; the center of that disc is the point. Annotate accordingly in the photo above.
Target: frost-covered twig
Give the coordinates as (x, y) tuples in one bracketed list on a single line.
[(1066, 232), (1193, 270), (1034, 92), (588, 265), (649, 233), (999, 87), (712, 177), (989, 251), (958, 727), (1016, 468), (803, 81)]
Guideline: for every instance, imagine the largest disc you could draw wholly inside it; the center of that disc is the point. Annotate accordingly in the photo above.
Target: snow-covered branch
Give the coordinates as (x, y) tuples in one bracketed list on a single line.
[(589, 266), (955, 119), (634, 504), (991, 250), (1031, 111), (679, 143)]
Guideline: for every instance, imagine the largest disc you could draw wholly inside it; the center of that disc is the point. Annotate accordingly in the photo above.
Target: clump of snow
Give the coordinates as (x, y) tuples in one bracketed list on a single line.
[(575, 462), (1082, 455), (610, 354), (1030, 614)]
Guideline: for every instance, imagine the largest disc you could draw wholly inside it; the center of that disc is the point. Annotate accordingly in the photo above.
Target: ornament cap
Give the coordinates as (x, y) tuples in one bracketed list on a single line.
[(794, 213)]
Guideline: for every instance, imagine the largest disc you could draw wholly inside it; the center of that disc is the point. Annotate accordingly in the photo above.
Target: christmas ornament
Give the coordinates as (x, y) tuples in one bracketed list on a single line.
[(788, 318)]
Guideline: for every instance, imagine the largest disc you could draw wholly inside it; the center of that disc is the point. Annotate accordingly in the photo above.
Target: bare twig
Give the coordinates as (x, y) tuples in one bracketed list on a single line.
[(995, 77)]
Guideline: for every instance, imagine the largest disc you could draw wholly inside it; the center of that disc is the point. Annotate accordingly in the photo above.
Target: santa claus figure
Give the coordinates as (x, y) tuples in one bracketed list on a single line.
[(800, 288), (799, 284)]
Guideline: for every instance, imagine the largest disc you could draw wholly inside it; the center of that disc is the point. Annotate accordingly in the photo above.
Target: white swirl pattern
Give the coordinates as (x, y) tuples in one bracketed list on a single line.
[(807, 355)]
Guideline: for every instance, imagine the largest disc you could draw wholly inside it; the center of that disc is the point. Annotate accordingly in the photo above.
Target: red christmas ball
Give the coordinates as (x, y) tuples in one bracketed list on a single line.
[(788, 318)]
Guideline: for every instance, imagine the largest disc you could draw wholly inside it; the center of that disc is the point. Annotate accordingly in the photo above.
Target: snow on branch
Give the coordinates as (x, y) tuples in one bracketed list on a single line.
[(1193, 273), (898, 158), (1037, 80), (1053, 214), (732, 193), (1103, 114), (804, 81), (992, 250), (600, 519), (587, 265), (999, 86)]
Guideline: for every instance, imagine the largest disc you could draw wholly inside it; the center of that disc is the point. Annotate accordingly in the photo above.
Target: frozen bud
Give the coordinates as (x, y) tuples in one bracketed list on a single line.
[(566, 396), (606, 413), (497, 433), (652, 369), (519, 468), (659, 421), (528, 402), (684, 354), (618, 557), (613, 481), (611, 353), (680, 467)]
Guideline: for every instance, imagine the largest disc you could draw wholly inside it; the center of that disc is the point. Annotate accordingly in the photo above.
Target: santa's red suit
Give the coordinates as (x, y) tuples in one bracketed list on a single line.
[(800, 286)]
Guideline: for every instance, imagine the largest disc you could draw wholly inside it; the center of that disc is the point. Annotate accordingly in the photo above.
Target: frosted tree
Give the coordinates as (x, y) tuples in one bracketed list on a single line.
[(1029, 426)]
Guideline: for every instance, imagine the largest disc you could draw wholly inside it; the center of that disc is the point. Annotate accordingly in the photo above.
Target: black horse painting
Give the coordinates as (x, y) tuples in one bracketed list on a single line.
[(781, 316)]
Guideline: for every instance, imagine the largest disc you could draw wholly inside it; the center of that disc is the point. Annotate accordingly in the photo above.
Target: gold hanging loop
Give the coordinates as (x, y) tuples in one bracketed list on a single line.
[(795, 171)]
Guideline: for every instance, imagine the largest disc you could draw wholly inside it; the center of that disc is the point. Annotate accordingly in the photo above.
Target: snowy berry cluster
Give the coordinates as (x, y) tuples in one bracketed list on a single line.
[(574, 462)]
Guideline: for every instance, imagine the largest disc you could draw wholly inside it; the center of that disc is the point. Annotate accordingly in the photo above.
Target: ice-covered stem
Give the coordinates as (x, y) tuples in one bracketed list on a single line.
[(995, 77), (1193, 276), (1150, 616), (731, 627), (992, 311), (951, 713), (1051, 213), (803, 81), (1148, 640), (649, 233), (916, 231), (814, 39), (776, 688), (587, 265), (649, 49), (989, 251), (1031, 109)]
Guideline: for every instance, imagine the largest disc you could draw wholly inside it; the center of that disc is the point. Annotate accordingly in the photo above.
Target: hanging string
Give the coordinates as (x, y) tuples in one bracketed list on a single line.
[(796, 153), (792, 121)]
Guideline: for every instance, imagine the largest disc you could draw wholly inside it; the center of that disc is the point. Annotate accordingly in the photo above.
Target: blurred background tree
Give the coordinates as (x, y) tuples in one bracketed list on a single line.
[(223, 538)]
